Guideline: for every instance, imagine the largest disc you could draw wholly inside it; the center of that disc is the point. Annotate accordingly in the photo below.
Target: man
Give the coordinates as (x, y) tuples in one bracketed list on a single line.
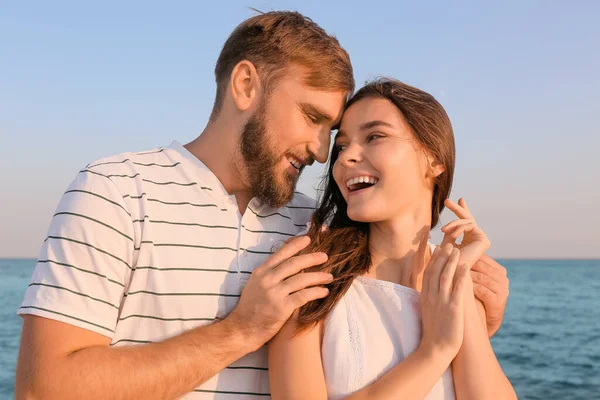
[(157, 279)]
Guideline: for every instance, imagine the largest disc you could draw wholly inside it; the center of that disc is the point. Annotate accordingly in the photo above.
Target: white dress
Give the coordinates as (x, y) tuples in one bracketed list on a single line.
[(375, 326)]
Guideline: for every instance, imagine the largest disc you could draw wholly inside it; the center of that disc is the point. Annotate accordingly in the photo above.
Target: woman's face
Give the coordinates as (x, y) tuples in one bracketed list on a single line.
[(382, 170)]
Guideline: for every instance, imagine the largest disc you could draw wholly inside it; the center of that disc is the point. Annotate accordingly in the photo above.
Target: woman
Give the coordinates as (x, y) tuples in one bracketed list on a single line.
[(400, 320)]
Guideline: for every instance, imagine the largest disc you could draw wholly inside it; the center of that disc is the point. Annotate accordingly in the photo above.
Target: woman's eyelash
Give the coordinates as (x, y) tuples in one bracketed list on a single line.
[(340, 147)]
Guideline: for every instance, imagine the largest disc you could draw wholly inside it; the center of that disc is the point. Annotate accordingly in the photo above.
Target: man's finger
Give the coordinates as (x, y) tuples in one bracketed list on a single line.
[(496, 272), (302, 297), (496, 276), (484, 280), (303, 281), (296, 264), (483, 293), (492, 264), (286, 251)]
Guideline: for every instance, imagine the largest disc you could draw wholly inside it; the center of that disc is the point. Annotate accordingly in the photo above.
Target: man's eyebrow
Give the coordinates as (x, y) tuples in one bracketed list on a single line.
[(374, 124), (316, 112)]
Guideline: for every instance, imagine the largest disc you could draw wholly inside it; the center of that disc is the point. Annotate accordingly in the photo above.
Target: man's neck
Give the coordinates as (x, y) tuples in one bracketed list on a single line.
[(217, 148)]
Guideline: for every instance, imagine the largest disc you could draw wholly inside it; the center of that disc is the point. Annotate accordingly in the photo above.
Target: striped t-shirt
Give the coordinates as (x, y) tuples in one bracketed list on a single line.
[(145, 246)]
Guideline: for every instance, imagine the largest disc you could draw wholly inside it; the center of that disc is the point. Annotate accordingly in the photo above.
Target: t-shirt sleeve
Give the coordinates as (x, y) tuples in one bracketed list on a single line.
[(86, 260)]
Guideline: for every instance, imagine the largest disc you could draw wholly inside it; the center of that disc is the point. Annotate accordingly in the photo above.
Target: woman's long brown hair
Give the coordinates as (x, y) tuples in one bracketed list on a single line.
[(347, 242)]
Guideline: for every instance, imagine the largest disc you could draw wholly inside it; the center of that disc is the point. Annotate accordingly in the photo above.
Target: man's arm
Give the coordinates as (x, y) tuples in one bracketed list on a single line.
[(62, 361), (490, 284)]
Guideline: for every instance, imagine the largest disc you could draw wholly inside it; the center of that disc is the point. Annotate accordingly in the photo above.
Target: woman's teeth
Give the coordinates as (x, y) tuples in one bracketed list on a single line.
[(361, 182)]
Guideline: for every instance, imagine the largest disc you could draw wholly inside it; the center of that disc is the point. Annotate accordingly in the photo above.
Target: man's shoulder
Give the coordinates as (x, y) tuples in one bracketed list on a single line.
[(129, 172), (302, 201), (132, 161), (301, 208)]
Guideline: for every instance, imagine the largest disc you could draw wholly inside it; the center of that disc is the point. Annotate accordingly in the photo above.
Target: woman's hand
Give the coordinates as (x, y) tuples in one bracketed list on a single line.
[(445, 284), (474, 243)]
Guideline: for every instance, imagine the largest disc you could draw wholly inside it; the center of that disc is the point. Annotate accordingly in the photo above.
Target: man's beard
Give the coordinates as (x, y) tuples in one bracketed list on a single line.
[(260, 161)]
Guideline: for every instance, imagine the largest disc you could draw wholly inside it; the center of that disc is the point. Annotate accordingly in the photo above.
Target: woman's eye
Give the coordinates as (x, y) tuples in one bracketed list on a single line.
[(374, 136), (340, 147)]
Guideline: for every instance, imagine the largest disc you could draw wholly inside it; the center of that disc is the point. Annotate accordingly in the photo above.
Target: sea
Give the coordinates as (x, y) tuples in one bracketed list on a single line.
[(548, 345)]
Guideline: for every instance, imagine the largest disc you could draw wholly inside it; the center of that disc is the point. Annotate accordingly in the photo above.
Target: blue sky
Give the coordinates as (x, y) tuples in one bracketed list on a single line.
[(520, 81)]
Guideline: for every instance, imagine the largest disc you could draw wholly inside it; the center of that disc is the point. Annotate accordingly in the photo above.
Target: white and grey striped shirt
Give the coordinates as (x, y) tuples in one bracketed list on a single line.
[(144, 246)]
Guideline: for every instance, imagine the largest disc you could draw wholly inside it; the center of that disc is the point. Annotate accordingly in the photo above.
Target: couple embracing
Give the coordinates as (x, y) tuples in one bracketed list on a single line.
[(164, 274)]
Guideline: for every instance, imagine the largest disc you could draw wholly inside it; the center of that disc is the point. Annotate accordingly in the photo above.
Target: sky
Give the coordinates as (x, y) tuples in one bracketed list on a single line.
[(520, 81)]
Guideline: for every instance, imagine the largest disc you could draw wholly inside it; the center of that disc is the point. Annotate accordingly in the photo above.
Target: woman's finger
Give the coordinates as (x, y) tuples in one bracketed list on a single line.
[(462, 202), (460, 284), (456, 233), (448, 240), (456, 209), (447, 275), (436, 269), (427, 273), (456, 223)]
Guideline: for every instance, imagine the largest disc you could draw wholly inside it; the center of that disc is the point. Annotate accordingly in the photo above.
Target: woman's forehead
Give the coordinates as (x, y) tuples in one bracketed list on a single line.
[(370, 113)]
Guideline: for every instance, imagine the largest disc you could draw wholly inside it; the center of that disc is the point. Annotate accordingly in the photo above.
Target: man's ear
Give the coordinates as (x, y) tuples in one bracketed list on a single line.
[(244, 85)]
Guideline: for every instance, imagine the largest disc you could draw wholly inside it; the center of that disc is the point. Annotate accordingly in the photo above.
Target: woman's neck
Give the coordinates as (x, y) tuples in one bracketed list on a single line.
[(399, 249)]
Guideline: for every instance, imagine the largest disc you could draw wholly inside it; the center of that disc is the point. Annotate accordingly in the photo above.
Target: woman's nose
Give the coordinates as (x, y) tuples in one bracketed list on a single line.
[(350, 155)]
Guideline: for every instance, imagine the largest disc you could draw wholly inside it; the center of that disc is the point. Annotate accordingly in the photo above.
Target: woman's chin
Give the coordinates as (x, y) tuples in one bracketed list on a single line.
[(361, 215)]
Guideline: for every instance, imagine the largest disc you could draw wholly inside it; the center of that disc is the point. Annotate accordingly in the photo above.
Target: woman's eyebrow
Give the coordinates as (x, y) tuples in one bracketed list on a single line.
[(340, 134), (365, 126), (374, 124)]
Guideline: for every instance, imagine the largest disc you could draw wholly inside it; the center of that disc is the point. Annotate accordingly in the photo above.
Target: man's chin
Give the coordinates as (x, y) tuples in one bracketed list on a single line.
[(282, 198), (276, 194)]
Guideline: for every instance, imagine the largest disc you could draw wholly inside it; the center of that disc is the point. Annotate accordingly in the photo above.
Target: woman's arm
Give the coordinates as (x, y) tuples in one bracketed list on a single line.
[(477, 373), (413, 378), (296, 371), (295, 368)]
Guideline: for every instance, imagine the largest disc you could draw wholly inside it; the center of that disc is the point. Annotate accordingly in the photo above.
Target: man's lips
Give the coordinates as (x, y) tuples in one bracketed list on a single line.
[(297, 162)]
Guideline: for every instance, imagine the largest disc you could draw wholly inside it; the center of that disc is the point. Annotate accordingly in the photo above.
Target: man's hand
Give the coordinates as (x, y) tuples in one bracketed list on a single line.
[(490, 285), (277, 288)]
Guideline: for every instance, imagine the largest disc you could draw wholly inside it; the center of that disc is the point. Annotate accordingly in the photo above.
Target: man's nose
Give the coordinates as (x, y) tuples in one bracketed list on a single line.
[(319, 148)]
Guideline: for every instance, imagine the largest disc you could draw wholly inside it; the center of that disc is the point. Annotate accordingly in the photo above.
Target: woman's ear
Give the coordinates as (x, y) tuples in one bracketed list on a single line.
[(435, 168), (244, 85)]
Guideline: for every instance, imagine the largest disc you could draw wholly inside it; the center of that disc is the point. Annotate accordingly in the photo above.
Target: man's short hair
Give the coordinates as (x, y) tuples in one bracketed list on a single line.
[(275, 40)]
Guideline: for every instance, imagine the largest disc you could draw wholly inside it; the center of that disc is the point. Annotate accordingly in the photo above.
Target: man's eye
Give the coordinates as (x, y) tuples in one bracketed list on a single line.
[(312, 118)]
